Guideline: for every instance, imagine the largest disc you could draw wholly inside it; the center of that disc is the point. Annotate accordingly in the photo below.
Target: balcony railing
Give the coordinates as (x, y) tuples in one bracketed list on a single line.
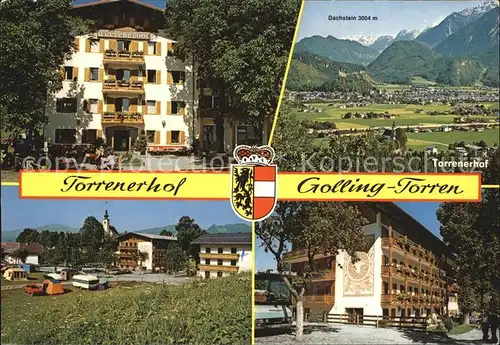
[(414, 274), (302, 255), (123, 56), (121, 117), (327, 276), (410, 248), (412, 298), (112, 85), (321, 299), (218, 268), (226, 256)]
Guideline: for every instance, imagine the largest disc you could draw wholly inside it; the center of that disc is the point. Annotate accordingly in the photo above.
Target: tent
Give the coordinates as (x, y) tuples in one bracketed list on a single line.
[(15, 274), (52, 287)]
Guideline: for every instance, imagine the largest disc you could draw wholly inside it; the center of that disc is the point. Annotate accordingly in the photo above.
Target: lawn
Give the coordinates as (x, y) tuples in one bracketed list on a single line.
[(405, 115), (218, 311), (461, 329), (442, 140)]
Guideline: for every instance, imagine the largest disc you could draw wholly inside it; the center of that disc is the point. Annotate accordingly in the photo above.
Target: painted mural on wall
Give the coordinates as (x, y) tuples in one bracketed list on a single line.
[(359, 276)]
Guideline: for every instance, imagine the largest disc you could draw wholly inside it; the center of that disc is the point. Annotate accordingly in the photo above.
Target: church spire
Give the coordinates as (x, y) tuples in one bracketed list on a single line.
[(106, 215)]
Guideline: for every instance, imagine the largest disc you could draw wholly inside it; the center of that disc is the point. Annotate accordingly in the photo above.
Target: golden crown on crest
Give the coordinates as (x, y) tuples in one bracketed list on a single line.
[(254, 155)]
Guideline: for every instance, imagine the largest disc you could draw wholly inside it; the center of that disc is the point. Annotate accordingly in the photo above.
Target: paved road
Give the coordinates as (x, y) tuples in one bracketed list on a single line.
[(319, 334), (144, 278)]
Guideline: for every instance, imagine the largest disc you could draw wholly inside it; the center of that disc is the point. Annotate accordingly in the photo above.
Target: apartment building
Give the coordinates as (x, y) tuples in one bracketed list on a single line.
[(131, 243), (123, 81), (401, 273), (222, 254)]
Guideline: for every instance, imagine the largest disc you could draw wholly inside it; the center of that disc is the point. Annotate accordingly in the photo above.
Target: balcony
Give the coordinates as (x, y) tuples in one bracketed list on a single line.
[(122, 117), (218, 256), (405, 272), (300, 255), (320, 299), (218, 268), (328, 276), (412, 299), (124, 57), (409, 248), (123, 87)]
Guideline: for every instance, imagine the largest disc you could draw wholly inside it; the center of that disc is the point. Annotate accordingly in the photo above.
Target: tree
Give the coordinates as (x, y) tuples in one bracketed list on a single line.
[(139, 257), (308, 226), (240, 50), (28, 236), (175, 258), (187, 231), (164, 232), (93, 239), (401, 139), (21, 255), (41, 35)]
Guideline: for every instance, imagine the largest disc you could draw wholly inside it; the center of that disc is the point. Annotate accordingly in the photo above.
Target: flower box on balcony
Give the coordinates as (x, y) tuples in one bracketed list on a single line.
[(137, 84), (110, 82), (110, 53), (124, 53), (123, 83), (137, 54)]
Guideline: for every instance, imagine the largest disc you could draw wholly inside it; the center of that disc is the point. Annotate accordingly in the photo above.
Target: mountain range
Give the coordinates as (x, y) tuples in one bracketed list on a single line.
[(461, 50), (10, 236)]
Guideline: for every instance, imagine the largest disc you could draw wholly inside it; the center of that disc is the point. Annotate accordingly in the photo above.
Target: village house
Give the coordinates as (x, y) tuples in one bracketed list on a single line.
[(401, 272), (222, 254), (9, 250)]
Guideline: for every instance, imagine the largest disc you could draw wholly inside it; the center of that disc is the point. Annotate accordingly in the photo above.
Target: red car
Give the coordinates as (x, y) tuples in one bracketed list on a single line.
[(33, 289)]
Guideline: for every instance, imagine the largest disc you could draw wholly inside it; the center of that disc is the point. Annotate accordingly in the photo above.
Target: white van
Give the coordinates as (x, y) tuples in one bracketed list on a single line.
[(84, 281)]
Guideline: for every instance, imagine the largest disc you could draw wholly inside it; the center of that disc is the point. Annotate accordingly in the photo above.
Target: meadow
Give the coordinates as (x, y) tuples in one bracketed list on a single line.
[(442, 140), (405, 115), (217, 311)]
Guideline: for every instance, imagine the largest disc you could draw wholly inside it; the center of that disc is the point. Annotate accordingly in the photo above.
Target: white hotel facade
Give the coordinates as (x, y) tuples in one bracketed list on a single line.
[(123, 81)]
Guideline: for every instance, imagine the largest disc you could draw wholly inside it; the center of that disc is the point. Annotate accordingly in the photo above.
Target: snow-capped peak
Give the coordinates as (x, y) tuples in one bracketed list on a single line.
[(483, 8), (364, 40), (407, 35)]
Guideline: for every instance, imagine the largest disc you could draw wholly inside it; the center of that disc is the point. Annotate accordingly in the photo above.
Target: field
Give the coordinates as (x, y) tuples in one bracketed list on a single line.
[(405, 115), (442, 140), (204, 312)]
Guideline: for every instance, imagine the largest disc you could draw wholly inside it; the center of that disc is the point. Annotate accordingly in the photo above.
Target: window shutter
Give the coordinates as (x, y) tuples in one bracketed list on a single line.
[(87, 74), (158, 77), (101, 46), (182, 109), (158, 48), (144, 107), (111, 73), (170, 78), (110, 104), (181, 138), (101, 74), (99, 133), (169, 137), (113, 45), (169, 108), (134, 46), (145, 48), (158, 107), (62, 73), (133, 105), (157, 137), (87, 45), (77, 44), (99, 106), (75, 72), (134, 75)]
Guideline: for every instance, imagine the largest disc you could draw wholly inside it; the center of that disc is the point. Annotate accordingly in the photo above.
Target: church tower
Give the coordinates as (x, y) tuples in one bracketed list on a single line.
[(105, 223)]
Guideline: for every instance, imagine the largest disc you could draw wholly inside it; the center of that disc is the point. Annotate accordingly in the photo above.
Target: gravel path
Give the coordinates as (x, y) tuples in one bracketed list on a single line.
[(319, 334)]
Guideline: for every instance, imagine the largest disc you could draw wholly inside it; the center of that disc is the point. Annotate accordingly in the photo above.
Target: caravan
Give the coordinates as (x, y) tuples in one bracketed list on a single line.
[(87, 282)]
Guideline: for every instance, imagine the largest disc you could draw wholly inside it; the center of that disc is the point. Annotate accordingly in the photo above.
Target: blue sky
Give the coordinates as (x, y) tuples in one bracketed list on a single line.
[(393, 16), (124, 214), (424, 212)]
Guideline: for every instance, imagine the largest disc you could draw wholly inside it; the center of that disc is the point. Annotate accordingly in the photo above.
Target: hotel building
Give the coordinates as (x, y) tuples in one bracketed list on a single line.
[(222, 254), (401, 273), (154, 245), (123, 81)]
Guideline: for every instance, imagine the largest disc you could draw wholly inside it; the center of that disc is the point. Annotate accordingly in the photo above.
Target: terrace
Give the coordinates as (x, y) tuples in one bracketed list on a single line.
[(123, 86), (122, 117), (123, 57)]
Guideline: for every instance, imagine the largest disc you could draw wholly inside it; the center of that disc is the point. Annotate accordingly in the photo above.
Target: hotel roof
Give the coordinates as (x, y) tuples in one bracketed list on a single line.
[(149, 236), (221, 238)]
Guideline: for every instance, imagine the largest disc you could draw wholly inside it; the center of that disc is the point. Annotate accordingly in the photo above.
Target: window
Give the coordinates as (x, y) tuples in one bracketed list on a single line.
[(123, 74), (233, 250), (219, 274), (151, 136), (94, 73), (220, 250), (89, 136), (394, 287), (170, 51), (207, 261), (122, 104), (151, 76), (246, 135), (233, 262), (177, 106), (207, 250), (123, 45), (402, 288), (151, 107), (66, 105), (93, 106), (151, 48), (175, 139), (65, 136), (220, 262), (178, 77), (94, 46), (393, 312), (207, 274), (68, 73), (207, 102), (385, 288)]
